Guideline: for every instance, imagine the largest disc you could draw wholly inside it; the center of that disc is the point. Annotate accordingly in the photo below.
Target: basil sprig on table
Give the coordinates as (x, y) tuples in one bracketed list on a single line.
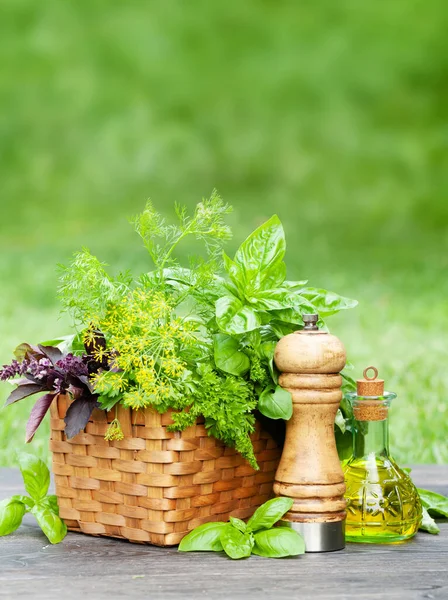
[(36, 478), (258, 536), (433, 506)]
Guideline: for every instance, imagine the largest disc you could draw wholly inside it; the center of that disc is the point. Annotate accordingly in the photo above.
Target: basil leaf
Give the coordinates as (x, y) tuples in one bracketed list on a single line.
[(228, 357), (274, 276), (235, 273), (340, 421), (36, 475), (50, 502), (23, 391), (428, 524), (266, 351), (11, 515), (78, 415), (327, 303), (275, 404), (26, 500), (235, 543), (54, 528), (278, 542), (260, 256), (37, 414), (293, 314), (295, 285), (27, 351), (233, 317), (275, 299), (281, 329), (348, 383), (269, 513), (203, 538), (344, 443), (436, 504), (238, 524), (63, 343), (51, 352)]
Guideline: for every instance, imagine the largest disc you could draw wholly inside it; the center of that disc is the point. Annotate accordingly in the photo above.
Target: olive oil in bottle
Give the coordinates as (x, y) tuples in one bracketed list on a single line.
[(383, 505)]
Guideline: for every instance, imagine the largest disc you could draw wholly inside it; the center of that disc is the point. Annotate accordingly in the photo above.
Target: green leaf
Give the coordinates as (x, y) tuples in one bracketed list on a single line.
[(281, 329), (261, 256), (236, 275), (228, 357), (275, 404), (27, 351), (295, 285), (276, 299), (436, 504), (238, 524), (26, 500), (266, 351), (233, 317), (108, 402), (274, 275), (428, 524), (50, 523), (340, 421), (50, 502), (204, 538), (344, 444), (269, 513), (11, 515), (278, 542), (235, 543), (348, 383), (327, 303), (64, 343), (36, 475)]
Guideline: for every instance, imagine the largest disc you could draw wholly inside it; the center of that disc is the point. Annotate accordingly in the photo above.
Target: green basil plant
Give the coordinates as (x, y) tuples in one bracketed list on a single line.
[(36, 478), (258, 536)]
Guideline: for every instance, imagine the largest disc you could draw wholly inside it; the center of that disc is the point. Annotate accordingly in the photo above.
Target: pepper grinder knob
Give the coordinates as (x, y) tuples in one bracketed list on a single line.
[(310, 322), (309, 471)]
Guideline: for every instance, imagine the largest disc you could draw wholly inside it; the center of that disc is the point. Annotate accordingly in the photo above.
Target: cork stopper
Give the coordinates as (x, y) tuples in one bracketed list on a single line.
[(370, 386), (370, 410)]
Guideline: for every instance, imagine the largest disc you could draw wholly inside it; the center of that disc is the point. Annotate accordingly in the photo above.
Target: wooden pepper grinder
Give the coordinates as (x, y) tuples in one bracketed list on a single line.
[(309, 471)]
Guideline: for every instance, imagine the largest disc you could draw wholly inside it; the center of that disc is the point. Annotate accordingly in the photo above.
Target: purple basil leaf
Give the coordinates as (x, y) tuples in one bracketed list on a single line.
[(75, 391), (54, 354), (29, 377), (25, 380), (37, 414), (86, 381), (78, 415), (23, 391), (27, 351)]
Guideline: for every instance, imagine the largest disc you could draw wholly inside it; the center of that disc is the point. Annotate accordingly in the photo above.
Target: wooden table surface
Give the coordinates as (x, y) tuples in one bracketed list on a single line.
[(85, 567)]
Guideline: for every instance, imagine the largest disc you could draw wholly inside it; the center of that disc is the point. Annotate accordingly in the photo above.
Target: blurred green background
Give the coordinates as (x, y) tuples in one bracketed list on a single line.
[(332, 114)]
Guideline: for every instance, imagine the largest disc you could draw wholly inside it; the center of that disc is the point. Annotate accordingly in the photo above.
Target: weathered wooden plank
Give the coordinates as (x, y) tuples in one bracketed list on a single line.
[(100, 568)]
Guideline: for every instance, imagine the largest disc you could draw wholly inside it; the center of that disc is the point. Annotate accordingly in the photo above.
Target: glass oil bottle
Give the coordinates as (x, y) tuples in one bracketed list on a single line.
[(383, 505)]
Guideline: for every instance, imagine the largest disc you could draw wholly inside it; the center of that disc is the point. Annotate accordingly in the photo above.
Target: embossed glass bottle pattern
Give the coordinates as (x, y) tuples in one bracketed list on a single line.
[(383, 505)]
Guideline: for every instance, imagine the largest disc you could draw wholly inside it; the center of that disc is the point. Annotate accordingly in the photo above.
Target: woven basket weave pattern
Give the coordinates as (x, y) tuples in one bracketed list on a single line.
[(154, 485)]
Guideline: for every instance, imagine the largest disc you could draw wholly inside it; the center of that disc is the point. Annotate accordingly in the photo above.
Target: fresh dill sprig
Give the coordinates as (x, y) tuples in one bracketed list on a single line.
[(86, 289), (206, 225)]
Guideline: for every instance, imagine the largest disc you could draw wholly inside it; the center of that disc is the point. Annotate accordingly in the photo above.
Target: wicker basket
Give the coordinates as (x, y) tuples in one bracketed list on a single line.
[(153, 486)]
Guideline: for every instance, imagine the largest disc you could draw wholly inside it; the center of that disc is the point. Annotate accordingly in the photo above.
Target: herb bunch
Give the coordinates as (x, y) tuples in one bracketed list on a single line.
[(197, 339), (47, 369)]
